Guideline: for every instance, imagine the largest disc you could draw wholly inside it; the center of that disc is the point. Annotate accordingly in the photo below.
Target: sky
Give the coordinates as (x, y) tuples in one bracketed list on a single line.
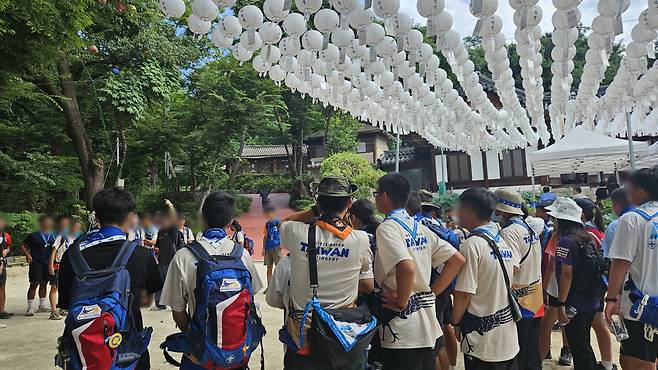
[(464, 21)]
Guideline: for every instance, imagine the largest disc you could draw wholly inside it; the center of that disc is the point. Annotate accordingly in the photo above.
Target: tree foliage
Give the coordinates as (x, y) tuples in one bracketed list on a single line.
[(356, 168)]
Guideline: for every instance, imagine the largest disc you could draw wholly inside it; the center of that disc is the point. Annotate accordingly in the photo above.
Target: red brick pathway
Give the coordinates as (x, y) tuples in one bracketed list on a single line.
[(253, 222)]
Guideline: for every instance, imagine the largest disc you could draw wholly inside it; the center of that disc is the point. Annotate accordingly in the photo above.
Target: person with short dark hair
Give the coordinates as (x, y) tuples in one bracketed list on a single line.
[(407, 253), (186, 232), (170, 240), (481, 314), (62, 228), (578, 193), (36, 249), (602, 192), (620, 206), (271, 241), (5, 247), (634, 269), (114, 208), (547, 195), (612, 184)]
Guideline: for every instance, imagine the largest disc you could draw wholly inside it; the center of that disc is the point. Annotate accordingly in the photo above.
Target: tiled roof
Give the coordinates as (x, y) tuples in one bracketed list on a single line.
[(364, 129), (406, 154), (268, 151)]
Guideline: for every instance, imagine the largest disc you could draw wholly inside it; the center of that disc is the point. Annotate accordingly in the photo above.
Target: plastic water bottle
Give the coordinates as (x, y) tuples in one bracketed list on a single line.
[(571, 311), (619, 328)]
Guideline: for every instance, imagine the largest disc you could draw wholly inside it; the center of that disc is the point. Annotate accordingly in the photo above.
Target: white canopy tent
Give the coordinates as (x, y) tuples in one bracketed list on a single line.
[(651, 159), (582, 150)]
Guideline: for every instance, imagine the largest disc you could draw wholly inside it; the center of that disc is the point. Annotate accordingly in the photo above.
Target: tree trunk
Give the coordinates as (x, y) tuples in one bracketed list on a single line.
[(235, 169), (123, 146), (91, 167), (192, 170)]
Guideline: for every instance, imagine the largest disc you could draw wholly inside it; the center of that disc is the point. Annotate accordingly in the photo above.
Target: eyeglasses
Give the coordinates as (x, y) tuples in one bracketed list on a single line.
[(374, 193)]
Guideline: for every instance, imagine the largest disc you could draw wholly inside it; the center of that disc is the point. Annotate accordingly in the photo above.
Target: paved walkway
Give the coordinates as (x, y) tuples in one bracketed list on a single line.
[(253, 222)]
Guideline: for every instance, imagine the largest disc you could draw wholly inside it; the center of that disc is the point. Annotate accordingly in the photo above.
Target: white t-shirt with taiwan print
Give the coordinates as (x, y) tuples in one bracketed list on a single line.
[(417, 326), (482, 277), (341, 264), (636, 241)]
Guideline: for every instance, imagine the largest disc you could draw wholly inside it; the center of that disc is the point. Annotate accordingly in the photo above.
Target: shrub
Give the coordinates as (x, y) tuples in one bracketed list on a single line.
[(20, 225), (242, 204), (255, 183), (446, 200), (302, 204), (356, 169)]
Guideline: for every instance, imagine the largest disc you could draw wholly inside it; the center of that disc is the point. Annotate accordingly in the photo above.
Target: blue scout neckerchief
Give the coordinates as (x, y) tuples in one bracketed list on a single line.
[(103, 235), (489, 231), (399, 213), (214, 235)]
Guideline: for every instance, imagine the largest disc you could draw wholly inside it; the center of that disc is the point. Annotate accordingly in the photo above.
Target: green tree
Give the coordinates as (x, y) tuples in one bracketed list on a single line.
[(342, 134), (356, 169)]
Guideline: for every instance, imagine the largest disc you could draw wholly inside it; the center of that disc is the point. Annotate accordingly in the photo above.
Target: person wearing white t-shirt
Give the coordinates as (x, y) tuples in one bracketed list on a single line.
[(407, 252), (344, 267), (178, 291), (526, 284), (635, 265), (481, 315)]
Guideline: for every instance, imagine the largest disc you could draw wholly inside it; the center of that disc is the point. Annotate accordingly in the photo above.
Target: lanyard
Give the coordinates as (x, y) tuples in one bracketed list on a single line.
[(46, 239), (103, 235), (403, 213)]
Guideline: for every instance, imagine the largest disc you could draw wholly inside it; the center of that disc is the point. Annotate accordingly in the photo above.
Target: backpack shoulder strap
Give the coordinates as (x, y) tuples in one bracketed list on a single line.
[(198, 250), (532, 237), (312, 252), (645, 215), (126, 250), (499, 257), (78, 263), (236, 253)]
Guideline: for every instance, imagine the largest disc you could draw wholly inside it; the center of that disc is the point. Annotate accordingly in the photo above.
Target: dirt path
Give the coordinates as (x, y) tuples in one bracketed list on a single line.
[(253, 222)]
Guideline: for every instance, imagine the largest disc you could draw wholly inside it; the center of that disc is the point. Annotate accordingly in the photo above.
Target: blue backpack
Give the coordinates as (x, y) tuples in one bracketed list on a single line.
[(100, 332), (225, 328), (273, 236)]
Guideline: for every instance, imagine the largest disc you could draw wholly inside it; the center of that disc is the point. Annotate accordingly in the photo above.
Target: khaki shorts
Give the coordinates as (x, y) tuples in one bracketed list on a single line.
[(272, 256)]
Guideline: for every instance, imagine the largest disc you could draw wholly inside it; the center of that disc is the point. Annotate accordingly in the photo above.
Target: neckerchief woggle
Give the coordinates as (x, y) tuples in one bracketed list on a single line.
[(103, 235), (402, 213)]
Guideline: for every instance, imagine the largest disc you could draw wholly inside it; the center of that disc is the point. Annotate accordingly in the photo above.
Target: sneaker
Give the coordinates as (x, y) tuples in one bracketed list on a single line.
[(62, 312), (549, 356), (43, 309), (599, 366), (565, 357), (30, 312), (54, 316), (6, 315), (557, 326)]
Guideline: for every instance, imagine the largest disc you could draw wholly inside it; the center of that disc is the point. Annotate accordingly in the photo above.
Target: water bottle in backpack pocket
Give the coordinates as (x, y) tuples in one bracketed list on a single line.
[(225, 328), (100, 332)]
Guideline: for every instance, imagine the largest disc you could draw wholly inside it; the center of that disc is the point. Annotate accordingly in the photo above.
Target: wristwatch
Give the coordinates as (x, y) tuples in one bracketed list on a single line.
[(611, 299), (561, 304)]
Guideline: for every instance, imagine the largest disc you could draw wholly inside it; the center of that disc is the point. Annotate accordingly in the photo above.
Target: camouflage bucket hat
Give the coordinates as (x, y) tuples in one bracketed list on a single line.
[(334, 186), (427, 199)]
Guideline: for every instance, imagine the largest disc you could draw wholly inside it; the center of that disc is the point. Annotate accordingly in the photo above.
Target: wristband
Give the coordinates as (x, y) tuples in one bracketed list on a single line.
[(561, 304), (611, 299)]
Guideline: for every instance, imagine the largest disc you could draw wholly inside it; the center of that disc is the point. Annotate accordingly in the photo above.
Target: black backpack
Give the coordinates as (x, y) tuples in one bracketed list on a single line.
[(591, 271)]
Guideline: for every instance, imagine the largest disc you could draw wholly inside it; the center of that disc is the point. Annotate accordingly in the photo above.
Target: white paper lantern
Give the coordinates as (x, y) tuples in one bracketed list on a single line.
[(260, 64), (172, 8), (603, 25), (330, 54), (642, 33), (294, 24), (276, 73), (271, 53), (566, 4), (374, 34), (198, 25), (273, 10), (387, 47), (250, 40), (442, 23), (205, 9), (398, 25), (344, 6), (609, 8), (308, 6), (520, 4), (270, 33), (487, 8), (219, 40), (312, 40), (230, 26), (326, 20), (561, 18), (342, 37), (427, 8), (290, 45), (224, 3), (386, 8), (360, 17), (491, 26), (412, 40), (527, 18), (241, 53), (448, 41), (250, 17)]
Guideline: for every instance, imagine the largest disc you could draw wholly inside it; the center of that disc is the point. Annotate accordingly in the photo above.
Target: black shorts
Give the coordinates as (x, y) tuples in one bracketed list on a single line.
[(474, 363), (637, 346), (38, 272), (54, 278), (553, 301), (406, 359), (3, 275)]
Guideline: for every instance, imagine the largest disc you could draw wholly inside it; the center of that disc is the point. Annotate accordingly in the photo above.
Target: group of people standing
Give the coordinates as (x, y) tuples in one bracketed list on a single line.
[(493, 279)]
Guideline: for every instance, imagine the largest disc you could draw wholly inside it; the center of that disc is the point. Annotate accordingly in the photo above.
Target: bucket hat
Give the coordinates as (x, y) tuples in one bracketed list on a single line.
[(509, 201), (334, 186), (566, 209)]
